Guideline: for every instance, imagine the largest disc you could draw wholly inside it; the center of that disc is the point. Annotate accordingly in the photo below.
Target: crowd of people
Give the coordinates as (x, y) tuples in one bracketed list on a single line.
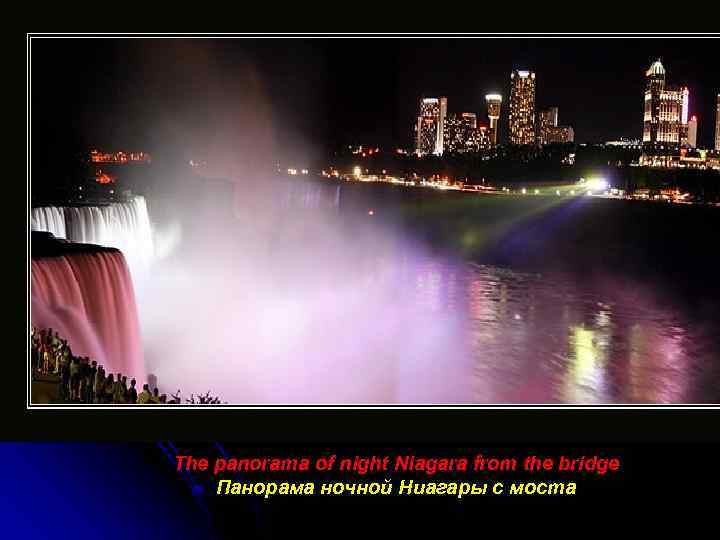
[(81, 380)]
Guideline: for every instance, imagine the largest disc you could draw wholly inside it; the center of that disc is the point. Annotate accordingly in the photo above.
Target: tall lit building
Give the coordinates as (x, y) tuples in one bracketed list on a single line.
[(717, 124), (460, 133), (522, 107), (692, 132), (666, 109), (484, 138), (430, 128), (493, 111), (548, 130), (547, 118)]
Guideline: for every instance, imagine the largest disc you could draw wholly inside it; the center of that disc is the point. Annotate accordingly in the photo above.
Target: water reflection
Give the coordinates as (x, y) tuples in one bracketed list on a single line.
[(559, 339)]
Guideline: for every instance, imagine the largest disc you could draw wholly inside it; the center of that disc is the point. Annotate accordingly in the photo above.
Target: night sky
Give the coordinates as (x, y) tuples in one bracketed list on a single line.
[(276, 99)]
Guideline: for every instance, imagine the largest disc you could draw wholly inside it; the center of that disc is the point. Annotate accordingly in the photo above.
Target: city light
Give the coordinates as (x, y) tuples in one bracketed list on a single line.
[(119, 157), (598, 184)]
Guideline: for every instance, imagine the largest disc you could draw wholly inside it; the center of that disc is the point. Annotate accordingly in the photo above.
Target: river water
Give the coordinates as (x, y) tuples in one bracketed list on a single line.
[(555, 338)]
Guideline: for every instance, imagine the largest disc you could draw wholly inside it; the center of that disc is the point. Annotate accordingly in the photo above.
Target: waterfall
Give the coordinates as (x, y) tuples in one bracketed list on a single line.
[(125, 226), (86, 295), (50, 219)]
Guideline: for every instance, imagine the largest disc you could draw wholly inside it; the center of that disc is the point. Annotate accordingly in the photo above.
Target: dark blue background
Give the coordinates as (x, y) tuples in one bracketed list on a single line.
[(79, 491)]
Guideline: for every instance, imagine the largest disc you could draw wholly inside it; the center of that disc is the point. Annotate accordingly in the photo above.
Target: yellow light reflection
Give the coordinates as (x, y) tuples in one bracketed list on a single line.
[(584, 380)]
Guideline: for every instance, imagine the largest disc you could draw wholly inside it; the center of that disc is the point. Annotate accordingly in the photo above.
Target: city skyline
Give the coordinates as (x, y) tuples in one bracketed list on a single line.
[(321, 95), (438, 131)]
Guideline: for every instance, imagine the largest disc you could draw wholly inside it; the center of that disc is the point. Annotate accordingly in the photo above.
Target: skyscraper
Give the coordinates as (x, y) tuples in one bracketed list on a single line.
[(483, 138), (430, 126), (460, 133), (717, 125), (493, 111), (522, 107), (548, 130), (666, 109), (547, 118), (692, 132)]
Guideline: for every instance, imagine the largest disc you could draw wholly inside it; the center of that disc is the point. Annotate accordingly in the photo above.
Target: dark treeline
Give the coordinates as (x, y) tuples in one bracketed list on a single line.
[(702, 184), (552, 164)]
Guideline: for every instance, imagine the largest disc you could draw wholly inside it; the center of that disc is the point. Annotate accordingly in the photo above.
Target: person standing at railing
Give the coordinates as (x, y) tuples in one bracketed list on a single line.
[(47, 358), (109, 389), (132, 392), (64, 393), (92, 377), (75, 379), (36, 345), (145, 395), (118, 391), (99, 385)]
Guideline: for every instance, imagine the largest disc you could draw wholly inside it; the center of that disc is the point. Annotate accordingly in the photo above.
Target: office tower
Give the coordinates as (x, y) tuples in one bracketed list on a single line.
[(439, 148), (548, 130), (485, 138), (547, 118), (522, 107), (493, 111), (431, 126), (453, 139), (692, 132), (666, 109), (460, 133)]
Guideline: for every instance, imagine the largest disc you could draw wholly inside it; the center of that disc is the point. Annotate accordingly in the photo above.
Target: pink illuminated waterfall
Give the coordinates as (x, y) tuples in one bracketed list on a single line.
[(87, 296)]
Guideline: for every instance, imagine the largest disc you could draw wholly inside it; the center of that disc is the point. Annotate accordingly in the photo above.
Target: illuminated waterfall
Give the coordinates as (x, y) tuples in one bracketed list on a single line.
[(86, 295), (125, 226)]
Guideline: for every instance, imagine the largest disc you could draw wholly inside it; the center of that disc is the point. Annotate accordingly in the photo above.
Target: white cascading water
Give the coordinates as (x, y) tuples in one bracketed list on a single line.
[(49, 219), (125, 226)]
